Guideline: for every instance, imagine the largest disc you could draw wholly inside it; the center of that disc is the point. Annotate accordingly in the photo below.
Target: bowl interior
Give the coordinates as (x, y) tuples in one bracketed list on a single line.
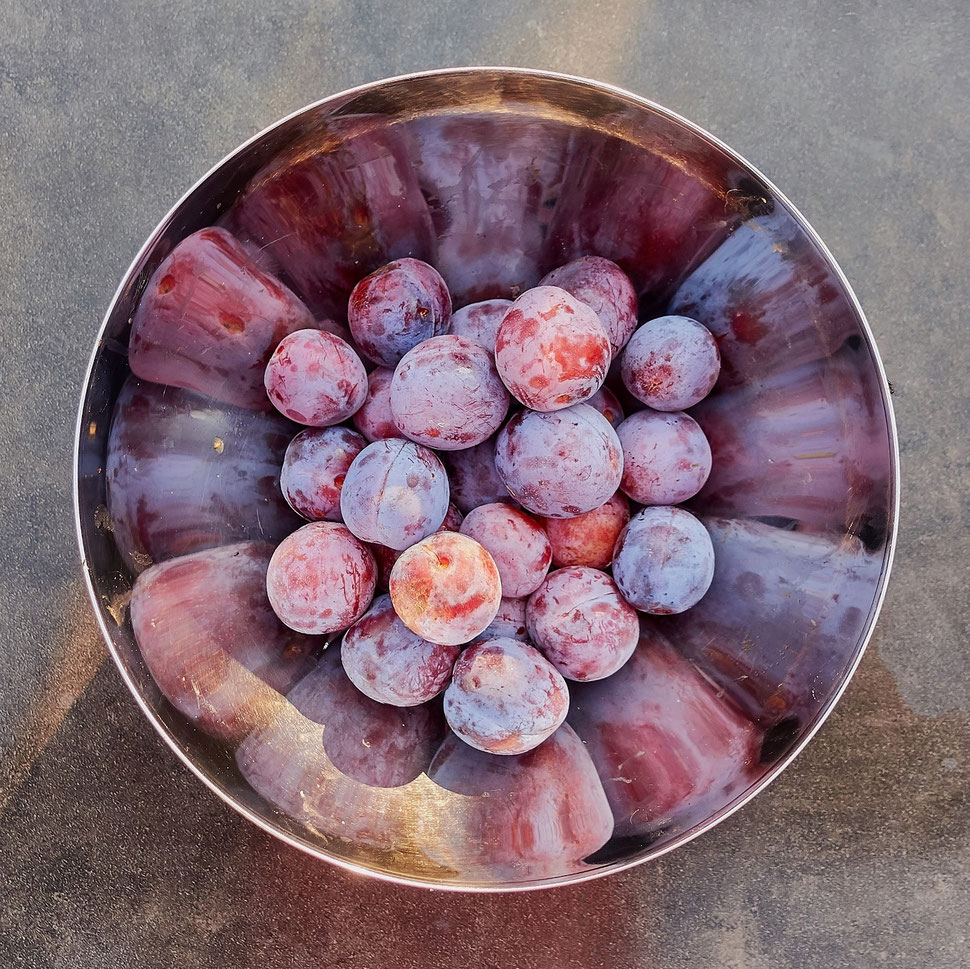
[(497, 177)]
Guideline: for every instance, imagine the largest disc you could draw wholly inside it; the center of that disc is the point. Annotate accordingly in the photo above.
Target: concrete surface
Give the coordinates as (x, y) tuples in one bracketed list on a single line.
[(111, 855)]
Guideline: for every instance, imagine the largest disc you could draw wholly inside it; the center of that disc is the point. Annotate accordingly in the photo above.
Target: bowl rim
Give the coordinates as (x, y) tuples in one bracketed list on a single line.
[(758, 786)]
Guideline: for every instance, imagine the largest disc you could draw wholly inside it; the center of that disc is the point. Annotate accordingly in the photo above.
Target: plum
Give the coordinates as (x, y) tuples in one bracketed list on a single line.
[(314, 467), (207, 633), (389, 663), (386, 557), (551, 350), (608, 404), (446, 588), (474, 478), (446, 394), (480, 321), (516, 542), (184, 473), (509, 622), (581, 624), (373, 419), (321, 578), (210, 318), (588, 539), (505, 697)]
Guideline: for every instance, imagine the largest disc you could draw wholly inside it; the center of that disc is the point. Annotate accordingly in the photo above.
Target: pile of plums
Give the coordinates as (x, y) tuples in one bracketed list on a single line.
[(483, 447)]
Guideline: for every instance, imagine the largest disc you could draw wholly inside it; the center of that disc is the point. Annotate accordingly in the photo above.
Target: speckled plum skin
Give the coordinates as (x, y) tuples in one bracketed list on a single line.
[(551, 350), (505, 697), (373, 419), (588, 539), (606, 402), (480, 321), (666, 457), (315, 378), (474, 478), (561, 464), (664, 561), (320, 578), (517, 543), (509, 622), (395, 493), (209, 320), (389, 663), (314, 467), (396, 307), (446, 588), (386, 557), (581, 624), (671, 363), (605, 288), (446, 394)]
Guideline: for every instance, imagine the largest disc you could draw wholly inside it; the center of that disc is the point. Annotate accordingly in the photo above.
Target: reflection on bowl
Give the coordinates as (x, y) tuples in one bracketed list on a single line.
[(496, 177)]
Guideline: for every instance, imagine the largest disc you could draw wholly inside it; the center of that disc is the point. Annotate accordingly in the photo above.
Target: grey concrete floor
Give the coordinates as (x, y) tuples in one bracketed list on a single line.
[(111, 855)]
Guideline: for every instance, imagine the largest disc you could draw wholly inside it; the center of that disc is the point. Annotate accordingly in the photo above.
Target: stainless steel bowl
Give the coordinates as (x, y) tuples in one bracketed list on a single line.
[(496, 176)]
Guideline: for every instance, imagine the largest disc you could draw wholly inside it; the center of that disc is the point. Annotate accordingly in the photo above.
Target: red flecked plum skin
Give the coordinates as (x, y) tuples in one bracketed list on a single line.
[(321, 578), (581, 623), (671, 363), (446, 394), (212, 642), (209, 320), (315, 378), (395, 493), (480, 321), (446, 588), (505, 697), (605, 288), (589, 539), (474, 478), (664, 561), (386, 557), (532, 815), (517, 543), (509, 622), (389, 663), (561, 464), (373, 419), (184, 472), (314, 467), (393, 309), (551, 350), (666, 457), (374, 743), (669, 747), (607, 403)]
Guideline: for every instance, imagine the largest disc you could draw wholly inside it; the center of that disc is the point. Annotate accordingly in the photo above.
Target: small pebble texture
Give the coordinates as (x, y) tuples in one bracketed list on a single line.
[(112, 855)]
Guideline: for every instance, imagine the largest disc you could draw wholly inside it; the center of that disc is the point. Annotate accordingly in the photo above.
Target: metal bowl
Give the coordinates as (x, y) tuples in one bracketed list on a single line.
[(497, 176)]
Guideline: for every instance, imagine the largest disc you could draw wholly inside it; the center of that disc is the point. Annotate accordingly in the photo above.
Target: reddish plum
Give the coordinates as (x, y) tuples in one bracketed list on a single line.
[(185, 473), (551, 350), (446, 588), (315, 378), (666, 457), (561, 464), (373, 419), (509, 622), (314, 468), (446, 394), (396, 307), (606, 402), (386, 557), (209, 319), (516, 542), (505, 697), (474, 478), (214, 646), (589, 539), (395, 493), (664, 560), (532, 815), (670, 750), (480, 321), (671, 363), (389, 663), (321, 578), (581, 623), (605, 288)]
